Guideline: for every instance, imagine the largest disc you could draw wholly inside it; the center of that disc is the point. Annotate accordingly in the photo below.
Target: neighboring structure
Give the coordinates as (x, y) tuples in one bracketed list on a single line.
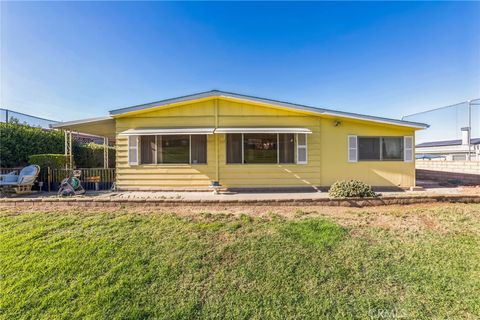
[(451, 150), (240, 141)]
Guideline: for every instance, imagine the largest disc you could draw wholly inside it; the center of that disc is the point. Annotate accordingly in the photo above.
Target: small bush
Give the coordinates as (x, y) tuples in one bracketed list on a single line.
[(351, 189), (52, 160)]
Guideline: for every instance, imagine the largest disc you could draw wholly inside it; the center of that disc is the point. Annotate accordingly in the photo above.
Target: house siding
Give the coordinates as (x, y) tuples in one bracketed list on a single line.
[(327, 150)]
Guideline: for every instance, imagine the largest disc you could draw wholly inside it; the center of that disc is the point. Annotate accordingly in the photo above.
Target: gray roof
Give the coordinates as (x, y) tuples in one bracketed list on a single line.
[(216, 93), (446, 143)]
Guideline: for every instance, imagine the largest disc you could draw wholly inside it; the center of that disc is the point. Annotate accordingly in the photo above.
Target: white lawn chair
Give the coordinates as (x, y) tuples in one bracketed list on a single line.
[(21, 183)]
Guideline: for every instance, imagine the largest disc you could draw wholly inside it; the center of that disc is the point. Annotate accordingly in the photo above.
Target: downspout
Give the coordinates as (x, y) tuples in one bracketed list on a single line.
[(321, 154), (469, 130), (217, 174)]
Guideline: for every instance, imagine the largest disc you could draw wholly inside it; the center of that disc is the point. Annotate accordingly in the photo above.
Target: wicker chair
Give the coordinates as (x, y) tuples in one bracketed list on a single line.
[(21, 183)]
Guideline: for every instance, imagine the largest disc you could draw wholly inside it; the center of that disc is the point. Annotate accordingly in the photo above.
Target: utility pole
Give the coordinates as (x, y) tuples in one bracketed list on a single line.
[(469, 130)]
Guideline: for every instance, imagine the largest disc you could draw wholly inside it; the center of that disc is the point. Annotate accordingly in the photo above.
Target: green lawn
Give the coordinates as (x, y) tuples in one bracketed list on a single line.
[(89, 264)]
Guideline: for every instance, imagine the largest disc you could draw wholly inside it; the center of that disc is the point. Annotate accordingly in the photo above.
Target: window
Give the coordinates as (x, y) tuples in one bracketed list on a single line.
[(368, 148), (392, 148), (380, 148), (459, 157), (234, 148), (169, 149), (252, 148), (175, 149), (199, 148), (286, 145), (260, 148), (148, 149)]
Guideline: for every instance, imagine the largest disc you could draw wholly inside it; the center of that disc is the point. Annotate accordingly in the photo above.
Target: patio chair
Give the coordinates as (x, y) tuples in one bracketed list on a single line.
[(21, 183)]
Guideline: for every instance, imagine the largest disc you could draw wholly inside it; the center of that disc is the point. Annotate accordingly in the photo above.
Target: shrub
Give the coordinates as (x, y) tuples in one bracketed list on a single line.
[(18, 142), (351, 189), (90, 155), (52, 160)]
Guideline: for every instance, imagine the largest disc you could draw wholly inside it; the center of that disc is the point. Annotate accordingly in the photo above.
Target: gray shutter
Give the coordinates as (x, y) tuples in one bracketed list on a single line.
[(408, 149), (352, 148), (133, 150)]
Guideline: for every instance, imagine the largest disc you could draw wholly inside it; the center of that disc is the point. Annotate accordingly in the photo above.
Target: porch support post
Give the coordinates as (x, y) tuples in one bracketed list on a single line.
[(71, 150), (68, 149), (105, 152)]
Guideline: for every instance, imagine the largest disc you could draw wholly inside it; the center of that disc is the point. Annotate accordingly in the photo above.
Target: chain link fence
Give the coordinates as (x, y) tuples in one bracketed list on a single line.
[(446, 122)]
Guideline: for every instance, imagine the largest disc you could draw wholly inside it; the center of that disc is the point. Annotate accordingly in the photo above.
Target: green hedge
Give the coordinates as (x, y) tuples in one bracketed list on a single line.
[(18, 142), (54, 161), (91, 156)]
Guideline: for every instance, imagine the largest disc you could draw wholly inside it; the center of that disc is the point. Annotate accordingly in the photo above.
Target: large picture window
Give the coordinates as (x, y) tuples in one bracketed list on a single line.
[(380, 148), (260, 148), (173, 149), (254, 148)]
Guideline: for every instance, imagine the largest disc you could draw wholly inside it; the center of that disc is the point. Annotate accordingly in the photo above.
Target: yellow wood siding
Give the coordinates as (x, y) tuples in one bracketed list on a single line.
[(327, 150)]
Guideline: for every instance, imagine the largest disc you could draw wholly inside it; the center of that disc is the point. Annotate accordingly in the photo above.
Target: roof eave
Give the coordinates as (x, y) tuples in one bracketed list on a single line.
[(218, 93)]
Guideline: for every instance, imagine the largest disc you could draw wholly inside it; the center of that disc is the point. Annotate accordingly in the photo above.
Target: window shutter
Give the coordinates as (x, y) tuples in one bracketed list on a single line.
[(408, 149), (302, 148), (133, 150), (352, 149)]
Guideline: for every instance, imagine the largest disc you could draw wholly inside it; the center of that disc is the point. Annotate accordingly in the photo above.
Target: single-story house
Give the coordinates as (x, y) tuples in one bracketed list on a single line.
[(240, 141)]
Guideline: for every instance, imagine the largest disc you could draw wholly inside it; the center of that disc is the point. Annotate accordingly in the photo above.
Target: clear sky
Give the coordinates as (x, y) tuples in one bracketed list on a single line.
[(77, 60)]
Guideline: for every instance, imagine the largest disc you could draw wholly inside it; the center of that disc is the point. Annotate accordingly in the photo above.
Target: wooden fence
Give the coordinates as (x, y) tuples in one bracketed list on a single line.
[(91, 177)]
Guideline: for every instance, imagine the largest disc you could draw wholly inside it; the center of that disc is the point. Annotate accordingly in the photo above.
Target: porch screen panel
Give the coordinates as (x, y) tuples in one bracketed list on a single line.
[(199, 148), (175, 149), (147, 149), (234, 148), (286, 147), (260, 148)]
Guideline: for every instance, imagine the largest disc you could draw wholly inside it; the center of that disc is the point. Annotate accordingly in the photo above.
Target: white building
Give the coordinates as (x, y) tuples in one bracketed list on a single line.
[(457, 150)]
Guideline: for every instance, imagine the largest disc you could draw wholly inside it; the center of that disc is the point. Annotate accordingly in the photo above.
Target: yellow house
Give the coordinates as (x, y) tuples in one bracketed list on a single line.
[(240, 141)]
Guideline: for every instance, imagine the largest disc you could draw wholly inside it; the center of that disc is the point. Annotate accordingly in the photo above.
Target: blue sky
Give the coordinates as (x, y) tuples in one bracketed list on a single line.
[(76, 60)]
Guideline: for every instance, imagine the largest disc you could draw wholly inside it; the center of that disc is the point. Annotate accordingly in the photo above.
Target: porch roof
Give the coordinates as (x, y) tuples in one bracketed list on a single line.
[(101, 126)]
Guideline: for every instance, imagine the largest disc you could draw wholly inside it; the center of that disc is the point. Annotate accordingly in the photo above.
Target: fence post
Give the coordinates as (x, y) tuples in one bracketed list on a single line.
[(49, 178)]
